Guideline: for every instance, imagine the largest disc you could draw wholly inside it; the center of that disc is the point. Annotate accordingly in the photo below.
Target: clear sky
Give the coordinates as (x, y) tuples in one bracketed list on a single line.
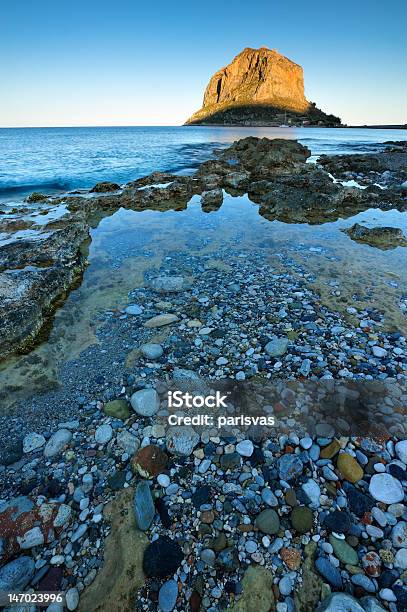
[(132, 62)]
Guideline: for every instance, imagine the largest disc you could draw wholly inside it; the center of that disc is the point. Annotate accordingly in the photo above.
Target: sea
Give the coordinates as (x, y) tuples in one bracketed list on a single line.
[(55, 160)]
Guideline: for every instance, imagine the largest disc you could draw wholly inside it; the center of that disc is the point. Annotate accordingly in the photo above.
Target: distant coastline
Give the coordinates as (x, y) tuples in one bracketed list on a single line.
[(378, 127)]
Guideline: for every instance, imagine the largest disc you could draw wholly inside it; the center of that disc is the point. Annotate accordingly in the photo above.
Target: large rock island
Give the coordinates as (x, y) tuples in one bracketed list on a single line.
[(259, 87)]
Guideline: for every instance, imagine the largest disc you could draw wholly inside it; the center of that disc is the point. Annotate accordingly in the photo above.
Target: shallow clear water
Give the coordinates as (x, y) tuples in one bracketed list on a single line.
[(59, 159), (128, 244)]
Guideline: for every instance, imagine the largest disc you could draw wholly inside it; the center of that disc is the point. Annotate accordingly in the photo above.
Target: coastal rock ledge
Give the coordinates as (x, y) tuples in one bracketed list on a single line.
[(259, 87)]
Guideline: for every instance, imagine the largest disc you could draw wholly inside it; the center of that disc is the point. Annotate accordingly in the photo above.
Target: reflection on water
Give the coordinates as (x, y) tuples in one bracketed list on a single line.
[(128, 244)]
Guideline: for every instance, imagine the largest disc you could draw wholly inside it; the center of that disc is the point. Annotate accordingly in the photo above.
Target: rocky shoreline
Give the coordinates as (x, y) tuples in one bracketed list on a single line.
[(102, 500)]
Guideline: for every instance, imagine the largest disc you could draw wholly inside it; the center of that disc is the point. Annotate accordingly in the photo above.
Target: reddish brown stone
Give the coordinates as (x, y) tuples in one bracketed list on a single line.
[(149, 461), (372, 564), (18, 516), (195, 602), (291, 557)]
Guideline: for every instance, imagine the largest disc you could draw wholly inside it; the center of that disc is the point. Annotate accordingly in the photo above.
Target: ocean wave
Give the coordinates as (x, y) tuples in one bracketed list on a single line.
[(7, 189)]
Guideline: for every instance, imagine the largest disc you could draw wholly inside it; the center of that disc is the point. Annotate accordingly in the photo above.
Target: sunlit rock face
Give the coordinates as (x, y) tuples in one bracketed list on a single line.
[(258, 86)]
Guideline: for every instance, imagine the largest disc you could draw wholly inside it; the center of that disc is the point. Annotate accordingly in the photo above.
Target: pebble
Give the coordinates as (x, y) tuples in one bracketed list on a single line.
[(145, 402), (161, 320), (103, 434), (33, 442), (163, 480), (181, 440), (245, 448), (72, 598), (268, 522), (277, 347), (167, 596), (143, 506), (385, 488), (15, 575), (152, 351), (401, 450), (133, 310), (57, 442)]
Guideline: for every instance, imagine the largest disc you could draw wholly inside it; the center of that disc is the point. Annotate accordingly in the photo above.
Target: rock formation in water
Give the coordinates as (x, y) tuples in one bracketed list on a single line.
[(259, 87)]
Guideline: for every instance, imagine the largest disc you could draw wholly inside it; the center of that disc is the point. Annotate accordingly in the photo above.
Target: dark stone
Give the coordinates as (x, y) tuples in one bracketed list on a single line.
[(162, 557), (201, 496), (117, 480), (396, 471), (257, 456), (337, 521), (387, 579), (400, 592), (359, 502), (51, 581), (229, 461), (329, 572), (228, 559), (162, 510), (11, 452)]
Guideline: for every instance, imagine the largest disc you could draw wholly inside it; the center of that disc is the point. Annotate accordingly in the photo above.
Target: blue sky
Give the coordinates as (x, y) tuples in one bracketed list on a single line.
[(147, 63)]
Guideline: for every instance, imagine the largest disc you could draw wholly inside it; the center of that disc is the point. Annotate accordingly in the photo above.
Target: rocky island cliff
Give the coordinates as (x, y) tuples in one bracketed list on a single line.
[(259, 87)]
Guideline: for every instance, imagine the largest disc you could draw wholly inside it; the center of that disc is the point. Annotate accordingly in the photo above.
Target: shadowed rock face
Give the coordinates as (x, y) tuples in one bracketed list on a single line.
[(255, 88)]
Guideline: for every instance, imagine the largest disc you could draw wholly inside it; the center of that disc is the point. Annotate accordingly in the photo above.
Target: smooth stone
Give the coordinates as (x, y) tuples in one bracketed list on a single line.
[(229, 461), (145, 402), (103, 434), (162, 557), (331, 449), (313, 492), (386, 488), (344, 551), (143, 506), (286, 585), (328, 571), (63, 515), (401, 559), (269, 498), (339, 602), (161, 320), (181, 440), (118, 409), (163, 480), (133, 310), (338, 521), (32, 537), (152, 351), (57, 443), (72, 598), (15, 576), (289, 467), (245, 448), (302, 519), (364, 582), (399, 535), (379, 352), (349, 468), (167, 596), (32, 442), (401, 450), (268, 522), (127, 442), (208, 556), (277, 347)]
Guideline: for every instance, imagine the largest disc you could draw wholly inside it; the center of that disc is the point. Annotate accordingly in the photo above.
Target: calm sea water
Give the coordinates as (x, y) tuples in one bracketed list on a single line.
[(59, 159)]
